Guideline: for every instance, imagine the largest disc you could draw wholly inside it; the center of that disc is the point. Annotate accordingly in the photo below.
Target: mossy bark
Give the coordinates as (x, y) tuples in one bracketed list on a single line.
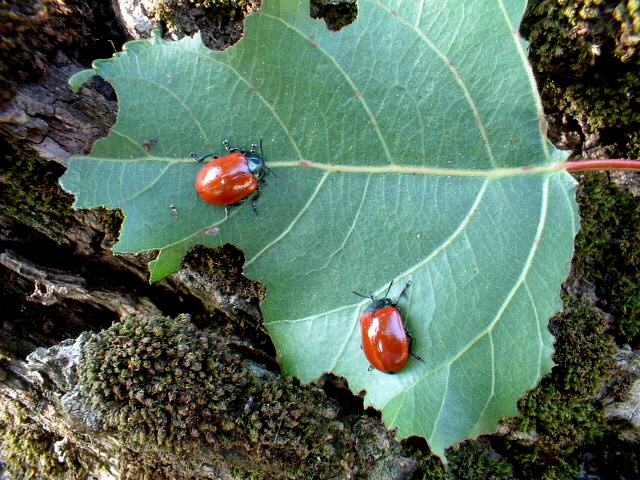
[(85, 390)]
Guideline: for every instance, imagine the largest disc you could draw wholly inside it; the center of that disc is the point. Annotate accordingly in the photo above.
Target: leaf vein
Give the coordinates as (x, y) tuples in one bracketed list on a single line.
[(456, 75), (253, 89), (442, 403), (293, 222), (532, 81), (354, 222), (168, 91), (349, 80), (538, 331), (521, 280), (493, 385)]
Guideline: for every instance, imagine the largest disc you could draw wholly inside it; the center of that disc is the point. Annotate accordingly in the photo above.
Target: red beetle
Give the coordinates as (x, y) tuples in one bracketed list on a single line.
[(385, 341), (229, 180)]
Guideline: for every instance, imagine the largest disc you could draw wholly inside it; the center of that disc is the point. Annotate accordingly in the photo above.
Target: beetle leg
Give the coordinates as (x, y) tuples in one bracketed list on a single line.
[(272, 172), (200, 159), (229, 149), (411, 347), (253, 201)]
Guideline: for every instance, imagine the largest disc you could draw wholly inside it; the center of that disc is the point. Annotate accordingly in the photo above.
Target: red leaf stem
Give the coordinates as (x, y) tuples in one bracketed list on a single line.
[(603, 164)]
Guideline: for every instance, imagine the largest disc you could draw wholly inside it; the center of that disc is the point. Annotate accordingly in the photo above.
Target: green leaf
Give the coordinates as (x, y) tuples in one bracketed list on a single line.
[(77, 80), (407, 146)]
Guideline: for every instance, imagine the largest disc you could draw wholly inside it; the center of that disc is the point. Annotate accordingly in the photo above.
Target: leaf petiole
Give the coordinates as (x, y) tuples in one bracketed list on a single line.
[(603, 164)]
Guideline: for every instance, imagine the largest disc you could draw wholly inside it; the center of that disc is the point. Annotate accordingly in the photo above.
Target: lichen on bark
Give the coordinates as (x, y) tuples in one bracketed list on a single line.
[(586, 57)]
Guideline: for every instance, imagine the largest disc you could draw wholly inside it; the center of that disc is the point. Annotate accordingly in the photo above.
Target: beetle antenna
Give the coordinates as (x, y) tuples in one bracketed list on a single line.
[(370, 296), (387, 292), (268, 169), (200, 159), (228, 148), (404, 289), (273, 173)]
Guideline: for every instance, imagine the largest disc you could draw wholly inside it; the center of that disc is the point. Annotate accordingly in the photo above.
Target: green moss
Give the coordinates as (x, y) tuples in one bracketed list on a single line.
[(176, 396), (586, 57), (227, 261), (31, 195), (561, 416), (182, 13), (161, 381), (582, 28), (27, 450), (336, 14), (472, 463), (620, 461), (607, 249), (470, 460)]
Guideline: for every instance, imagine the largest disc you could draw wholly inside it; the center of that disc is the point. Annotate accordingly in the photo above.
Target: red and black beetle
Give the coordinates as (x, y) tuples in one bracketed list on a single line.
[(229, 180), (385, 340)]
